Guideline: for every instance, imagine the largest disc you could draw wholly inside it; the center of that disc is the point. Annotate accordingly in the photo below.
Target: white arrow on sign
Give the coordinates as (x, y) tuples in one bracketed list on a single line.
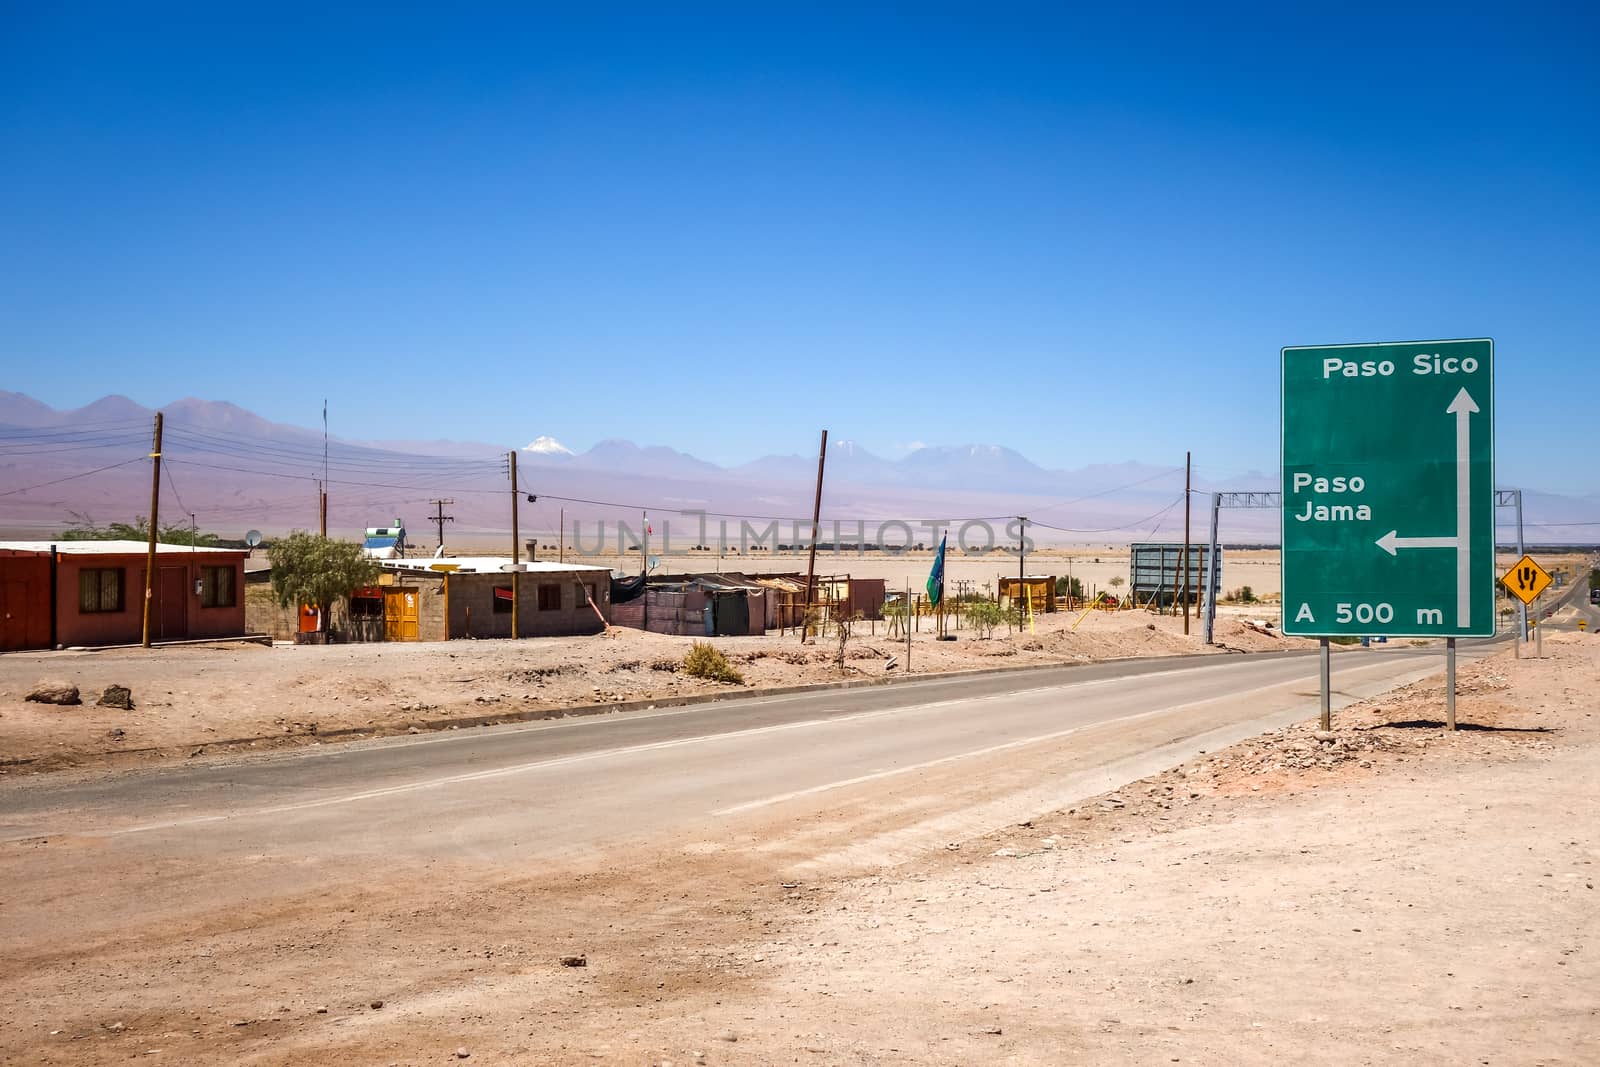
[(1391, 541), (1463, 407)]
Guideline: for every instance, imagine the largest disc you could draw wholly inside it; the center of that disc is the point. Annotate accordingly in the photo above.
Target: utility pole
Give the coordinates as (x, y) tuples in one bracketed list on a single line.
[(816, 518), (1022, 569), (561, 538), (516, 551), (322, 486), (1187, 458), (155, 506), (440, 518), (906, 618)]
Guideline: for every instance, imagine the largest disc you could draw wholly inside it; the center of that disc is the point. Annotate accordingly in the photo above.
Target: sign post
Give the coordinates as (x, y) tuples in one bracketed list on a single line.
[(1387, 456)]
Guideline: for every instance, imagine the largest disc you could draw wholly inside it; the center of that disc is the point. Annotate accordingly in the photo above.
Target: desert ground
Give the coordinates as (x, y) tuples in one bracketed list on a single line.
[(199, 701), (1396, 895)]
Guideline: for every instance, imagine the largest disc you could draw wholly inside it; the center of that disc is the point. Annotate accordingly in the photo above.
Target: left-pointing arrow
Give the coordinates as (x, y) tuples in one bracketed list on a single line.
[(1391, 541)]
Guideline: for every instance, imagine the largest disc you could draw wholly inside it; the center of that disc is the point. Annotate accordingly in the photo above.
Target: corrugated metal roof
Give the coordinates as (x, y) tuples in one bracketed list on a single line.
[(104, 548), (483, 565)]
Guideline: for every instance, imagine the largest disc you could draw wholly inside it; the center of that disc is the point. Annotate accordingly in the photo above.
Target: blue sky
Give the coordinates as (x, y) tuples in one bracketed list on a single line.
[(725, 230)]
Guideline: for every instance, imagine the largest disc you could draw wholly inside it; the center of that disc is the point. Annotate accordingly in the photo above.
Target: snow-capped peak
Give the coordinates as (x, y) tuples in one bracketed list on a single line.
[(547, 446)]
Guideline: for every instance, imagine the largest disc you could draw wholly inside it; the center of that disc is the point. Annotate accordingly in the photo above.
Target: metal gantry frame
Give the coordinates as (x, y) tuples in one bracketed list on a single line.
[(1503, 498), (1512, 498), (1230, 499)]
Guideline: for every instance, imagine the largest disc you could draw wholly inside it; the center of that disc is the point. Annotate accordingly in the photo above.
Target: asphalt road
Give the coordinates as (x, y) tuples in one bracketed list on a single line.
[(664, 765), (1566, 606), (911, 761)]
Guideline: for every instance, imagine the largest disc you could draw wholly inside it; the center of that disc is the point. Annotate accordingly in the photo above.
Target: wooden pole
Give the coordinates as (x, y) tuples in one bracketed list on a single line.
[(155, 507), (906, 617), (516, 553), (816, 518), (322, 511), (1022, 569)]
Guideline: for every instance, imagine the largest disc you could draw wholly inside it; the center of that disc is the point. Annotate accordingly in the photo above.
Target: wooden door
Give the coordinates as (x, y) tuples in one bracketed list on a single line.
[(172, 614), (400, 613), (24, 614)]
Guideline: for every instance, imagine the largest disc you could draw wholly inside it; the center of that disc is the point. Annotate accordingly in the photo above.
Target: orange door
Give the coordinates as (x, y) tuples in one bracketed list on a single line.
[(400, 614)]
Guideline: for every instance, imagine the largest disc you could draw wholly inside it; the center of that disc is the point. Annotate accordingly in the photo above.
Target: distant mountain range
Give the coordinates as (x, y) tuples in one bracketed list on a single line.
[(234, 470)]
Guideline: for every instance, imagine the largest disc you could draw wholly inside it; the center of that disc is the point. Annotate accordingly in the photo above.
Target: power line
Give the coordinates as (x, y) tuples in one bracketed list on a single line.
[(167, 470), (119, 442), (1112, 529), (332, 481), (1108, 492), (82, 430), (72, 477), (268, 454), (352, 453)]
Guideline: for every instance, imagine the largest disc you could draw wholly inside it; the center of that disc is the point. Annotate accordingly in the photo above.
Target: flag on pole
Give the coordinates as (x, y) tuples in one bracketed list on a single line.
[(936, 576)]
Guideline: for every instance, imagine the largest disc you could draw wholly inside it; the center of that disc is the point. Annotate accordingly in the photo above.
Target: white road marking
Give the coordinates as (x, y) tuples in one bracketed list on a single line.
[(1020, 743)]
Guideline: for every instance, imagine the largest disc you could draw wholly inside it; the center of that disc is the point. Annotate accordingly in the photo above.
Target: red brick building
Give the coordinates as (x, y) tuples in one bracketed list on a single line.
[(89, 593)]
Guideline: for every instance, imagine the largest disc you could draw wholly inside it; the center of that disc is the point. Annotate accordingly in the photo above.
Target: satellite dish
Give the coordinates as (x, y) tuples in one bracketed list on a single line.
[(253, 538), (654, 562)]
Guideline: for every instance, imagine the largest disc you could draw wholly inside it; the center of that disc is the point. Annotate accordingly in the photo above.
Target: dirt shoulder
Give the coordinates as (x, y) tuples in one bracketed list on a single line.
[(198, 701)]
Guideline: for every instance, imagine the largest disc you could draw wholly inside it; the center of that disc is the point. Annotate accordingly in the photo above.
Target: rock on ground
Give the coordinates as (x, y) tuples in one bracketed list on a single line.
[(116, 696), (51, 691)]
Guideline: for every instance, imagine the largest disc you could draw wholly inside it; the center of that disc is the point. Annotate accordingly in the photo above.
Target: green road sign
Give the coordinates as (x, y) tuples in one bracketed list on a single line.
[(1388, 489)]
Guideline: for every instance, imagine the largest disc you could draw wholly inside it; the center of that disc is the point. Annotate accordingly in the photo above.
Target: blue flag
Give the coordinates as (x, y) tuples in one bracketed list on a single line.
[(936, 576)]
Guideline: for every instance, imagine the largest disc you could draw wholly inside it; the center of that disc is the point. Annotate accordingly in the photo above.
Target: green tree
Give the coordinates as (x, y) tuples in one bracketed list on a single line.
[(1069, 586), (84, 529), (308, 568)]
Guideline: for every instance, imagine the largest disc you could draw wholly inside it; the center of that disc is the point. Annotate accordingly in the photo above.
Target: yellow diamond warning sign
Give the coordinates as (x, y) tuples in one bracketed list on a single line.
[(1526, 579)]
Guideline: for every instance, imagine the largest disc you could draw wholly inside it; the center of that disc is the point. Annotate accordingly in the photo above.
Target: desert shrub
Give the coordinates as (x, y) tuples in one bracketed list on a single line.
[(841, 630), (984, 616), (704, 661)]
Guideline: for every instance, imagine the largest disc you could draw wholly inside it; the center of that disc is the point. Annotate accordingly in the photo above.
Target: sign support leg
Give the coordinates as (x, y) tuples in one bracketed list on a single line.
[(1538, 642), (1450, 682), (1522, 611), (1211, 572), (1327, 699)]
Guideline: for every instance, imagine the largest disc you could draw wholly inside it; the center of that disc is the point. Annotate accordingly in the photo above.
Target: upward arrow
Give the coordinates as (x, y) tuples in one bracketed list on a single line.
[(1463, 407)]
